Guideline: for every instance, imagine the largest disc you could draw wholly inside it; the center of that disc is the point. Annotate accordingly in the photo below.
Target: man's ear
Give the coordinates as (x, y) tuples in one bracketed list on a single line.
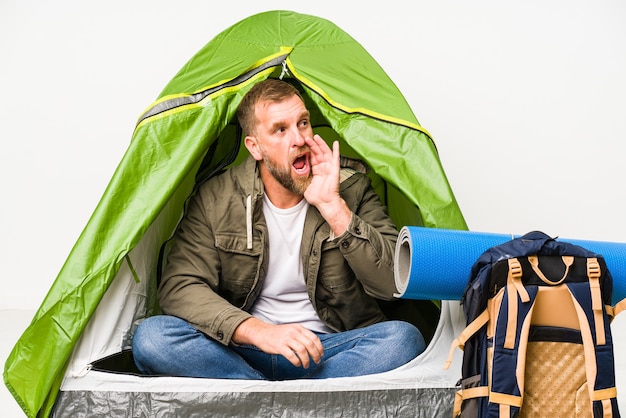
[(252, 143)]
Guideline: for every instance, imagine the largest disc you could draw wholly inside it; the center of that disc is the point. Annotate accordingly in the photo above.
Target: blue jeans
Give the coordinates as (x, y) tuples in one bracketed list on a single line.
[(166, 345)]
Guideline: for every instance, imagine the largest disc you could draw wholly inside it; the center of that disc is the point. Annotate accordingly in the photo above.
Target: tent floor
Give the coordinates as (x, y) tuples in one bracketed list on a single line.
[(409, 402)]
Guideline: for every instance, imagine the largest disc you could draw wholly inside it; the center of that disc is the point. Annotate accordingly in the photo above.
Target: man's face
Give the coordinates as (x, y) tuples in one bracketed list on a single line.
[(280, 132)]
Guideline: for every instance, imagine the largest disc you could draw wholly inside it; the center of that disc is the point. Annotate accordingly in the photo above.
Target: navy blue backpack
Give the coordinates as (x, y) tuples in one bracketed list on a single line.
[(538, 339)]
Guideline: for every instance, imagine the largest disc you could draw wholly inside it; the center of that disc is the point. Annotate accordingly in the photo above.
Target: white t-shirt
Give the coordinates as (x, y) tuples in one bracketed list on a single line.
[(284, 298)]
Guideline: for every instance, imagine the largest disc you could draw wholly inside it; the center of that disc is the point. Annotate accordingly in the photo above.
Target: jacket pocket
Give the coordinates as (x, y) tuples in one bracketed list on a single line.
[(338, 293), (239, 267), (334, 273)]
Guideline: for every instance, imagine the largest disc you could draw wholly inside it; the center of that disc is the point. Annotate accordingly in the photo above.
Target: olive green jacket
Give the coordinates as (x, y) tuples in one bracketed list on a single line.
[(218, 261)]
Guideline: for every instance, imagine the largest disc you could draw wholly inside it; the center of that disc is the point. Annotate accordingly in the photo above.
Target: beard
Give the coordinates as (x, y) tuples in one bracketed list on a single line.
[(283, 176)]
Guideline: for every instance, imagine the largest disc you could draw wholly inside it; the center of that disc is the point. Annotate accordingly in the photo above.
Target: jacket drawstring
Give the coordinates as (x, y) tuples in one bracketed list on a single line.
[(249, 220)]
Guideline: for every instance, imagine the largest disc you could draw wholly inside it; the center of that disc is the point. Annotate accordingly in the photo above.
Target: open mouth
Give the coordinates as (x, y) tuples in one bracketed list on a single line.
[(301, 163)]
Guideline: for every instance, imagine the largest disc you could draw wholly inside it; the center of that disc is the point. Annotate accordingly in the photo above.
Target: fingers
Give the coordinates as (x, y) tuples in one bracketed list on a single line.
[(302, 348), (318, 142), (336, 154), (312, 350), (320, 151), (296, 343)]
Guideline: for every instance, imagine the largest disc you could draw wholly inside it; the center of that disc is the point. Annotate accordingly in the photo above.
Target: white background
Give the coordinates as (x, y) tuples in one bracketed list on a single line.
[(526, 102)]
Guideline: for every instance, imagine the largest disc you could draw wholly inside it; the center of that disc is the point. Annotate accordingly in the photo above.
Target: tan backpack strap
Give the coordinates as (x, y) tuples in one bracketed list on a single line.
[(505, 399), (591, 367), (515, 277), (458, 400), (607, 408), (619, 307), (522, 349), (467, 393), (534, 263), (466, 334), (505, 411), (594, 272), (514, 287)]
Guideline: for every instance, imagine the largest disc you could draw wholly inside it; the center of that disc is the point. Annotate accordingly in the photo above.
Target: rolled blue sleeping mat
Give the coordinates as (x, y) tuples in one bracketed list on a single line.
[(434, 264)]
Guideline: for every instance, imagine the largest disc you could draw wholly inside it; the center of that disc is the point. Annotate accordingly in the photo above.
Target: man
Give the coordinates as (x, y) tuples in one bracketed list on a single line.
[(277, 265)]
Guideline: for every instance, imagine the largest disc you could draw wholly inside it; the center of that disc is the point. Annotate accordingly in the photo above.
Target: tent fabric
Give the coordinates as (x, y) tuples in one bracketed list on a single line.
[(187, 134)]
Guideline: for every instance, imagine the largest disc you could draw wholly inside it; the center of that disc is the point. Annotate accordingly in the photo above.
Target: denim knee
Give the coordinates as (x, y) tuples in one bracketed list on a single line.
[(408, 339), (144, 346)]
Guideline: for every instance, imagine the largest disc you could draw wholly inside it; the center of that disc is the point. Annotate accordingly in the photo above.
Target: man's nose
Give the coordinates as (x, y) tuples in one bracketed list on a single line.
[(297, 139)]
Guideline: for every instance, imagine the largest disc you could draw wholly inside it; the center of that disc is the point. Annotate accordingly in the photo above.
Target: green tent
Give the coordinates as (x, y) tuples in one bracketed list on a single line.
[(190, 132)]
